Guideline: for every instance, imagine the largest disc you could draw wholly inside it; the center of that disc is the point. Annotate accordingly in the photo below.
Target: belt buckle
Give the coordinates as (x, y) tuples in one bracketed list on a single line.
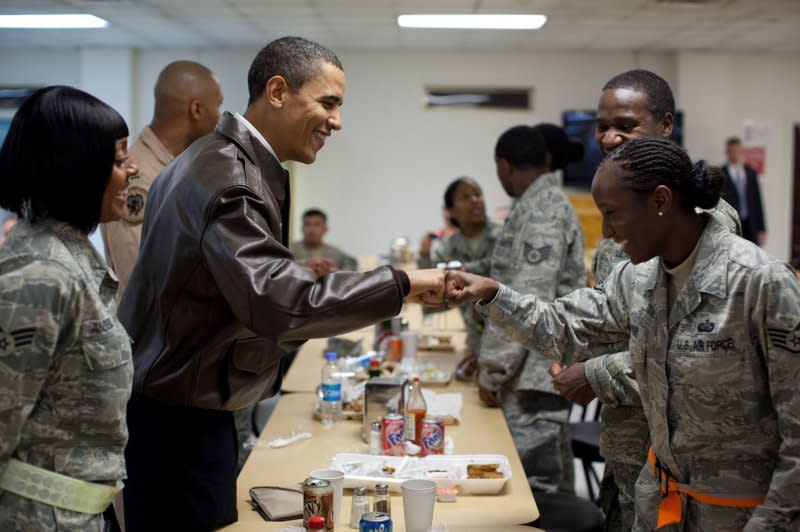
[(663, 476)]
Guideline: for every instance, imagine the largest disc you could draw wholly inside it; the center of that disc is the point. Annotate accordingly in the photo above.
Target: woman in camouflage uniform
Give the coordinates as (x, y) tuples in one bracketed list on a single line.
[(712, 324), (472, 245), (65, 360)]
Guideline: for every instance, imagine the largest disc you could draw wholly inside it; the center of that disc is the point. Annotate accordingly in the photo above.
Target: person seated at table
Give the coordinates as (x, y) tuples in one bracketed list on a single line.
[(471, 244), (712, 323), (313, 253), (65, 358)]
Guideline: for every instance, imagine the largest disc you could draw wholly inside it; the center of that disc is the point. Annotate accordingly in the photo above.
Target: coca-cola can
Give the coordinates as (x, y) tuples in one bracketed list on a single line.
[(392, 434), (432, 437), (318, 500)]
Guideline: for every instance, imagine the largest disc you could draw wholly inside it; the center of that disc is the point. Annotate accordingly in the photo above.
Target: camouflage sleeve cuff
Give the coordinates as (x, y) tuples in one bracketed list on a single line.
[(612, 379), (599, 379), (501, 306)]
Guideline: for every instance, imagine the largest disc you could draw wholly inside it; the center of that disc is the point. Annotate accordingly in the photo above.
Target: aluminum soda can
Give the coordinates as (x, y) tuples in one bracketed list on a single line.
[(432, 438), (318, 500), (375, 522), (392, 435)]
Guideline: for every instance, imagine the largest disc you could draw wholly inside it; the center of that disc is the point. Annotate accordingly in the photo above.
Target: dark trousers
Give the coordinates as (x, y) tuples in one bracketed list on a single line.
[(181, 468), (748, 232)]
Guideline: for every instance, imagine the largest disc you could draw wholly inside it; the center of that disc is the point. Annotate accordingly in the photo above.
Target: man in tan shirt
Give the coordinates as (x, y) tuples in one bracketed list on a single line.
[(187, 101)]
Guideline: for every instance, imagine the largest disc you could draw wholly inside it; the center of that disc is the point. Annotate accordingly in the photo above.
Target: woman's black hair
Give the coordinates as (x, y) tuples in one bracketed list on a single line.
[(57, 158), (523, 147), (450, 193), (563, 150), (650, 162)]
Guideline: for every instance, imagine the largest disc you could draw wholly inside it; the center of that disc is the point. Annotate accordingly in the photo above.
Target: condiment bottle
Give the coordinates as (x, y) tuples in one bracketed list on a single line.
[(416, 408), (382, 501)]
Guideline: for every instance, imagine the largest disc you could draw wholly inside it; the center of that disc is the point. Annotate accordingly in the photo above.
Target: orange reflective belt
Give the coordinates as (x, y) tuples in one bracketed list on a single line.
[(669, 511)]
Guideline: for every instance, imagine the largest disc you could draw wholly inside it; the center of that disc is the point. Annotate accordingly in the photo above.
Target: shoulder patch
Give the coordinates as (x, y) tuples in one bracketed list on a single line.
[(134, 205)]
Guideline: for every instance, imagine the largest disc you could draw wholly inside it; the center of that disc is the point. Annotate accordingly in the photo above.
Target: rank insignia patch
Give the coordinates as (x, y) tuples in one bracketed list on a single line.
[(789, 340), (536, 255), (9, 341)]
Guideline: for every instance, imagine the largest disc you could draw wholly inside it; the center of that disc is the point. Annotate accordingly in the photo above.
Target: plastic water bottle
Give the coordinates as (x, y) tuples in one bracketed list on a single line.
[(331, 391)]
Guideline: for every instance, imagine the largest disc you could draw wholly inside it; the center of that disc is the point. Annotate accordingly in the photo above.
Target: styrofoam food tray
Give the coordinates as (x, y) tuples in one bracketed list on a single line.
[(447, 471)]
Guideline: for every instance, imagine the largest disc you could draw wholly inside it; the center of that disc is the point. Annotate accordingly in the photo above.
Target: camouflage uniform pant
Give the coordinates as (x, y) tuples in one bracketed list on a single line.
[(624, 440), (20, 514), (617, 498), (538, 425)]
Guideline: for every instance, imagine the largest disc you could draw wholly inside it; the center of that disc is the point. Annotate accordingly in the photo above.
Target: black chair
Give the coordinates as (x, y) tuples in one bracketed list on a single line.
[(563, 512), (586, 443)]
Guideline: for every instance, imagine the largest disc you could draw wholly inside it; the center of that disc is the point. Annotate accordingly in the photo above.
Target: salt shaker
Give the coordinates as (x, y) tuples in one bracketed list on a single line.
[(359, 507)]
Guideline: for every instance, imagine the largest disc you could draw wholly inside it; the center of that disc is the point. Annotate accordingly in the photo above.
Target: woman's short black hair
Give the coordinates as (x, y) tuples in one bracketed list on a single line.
[(650, 162), (57, 158)]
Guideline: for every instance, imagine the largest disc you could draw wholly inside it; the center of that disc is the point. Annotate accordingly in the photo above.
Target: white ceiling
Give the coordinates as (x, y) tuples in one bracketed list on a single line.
[(722, 25)]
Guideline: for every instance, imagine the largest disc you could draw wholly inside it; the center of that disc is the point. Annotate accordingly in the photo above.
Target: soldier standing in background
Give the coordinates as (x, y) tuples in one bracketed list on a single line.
[(538, 251), (187, 101), (65, 358), (634, 104)]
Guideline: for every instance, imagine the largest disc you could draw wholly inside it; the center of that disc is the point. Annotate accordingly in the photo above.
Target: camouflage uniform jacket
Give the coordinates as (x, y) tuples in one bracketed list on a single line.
[(475, 254), (340, 259), (539, 251), (624, 436), (65, 368), (717, 374)]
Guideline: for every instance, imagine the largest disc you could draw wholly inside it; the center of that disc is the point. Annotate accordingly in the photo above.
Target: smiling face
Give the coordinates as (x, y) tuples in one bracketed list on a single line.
[(623, 115), (312, 114), (630, 218), (468, 207), (114, 197)]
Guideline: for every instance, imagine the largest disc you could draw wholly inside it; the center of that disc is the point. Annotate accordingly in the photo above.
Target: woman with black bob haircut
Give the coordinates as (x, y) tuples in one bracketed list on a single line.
[(712, 323), (65, 358)]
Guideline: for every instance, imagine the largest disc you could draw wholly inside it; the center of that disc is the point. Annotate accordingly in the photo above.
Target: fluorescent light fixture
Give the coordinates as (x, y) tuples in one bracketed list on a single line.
[(473, 22), (52, 21)]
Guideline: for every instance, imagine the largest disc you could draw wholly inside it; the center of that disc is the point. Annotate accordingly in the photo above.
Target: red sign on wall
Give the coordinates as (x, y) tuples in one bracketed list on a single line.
[(755, 157)]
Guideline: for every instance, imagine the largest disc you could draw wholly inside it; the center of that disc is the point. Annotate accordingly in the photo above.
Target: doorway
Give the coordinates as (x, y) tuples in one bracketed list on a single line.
[(796, 202)]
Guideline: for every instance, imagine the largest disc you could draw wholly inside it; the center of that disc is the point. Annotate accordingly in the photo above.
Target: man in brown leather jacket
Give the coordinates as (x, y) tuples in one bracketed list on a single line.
[(216, 299)]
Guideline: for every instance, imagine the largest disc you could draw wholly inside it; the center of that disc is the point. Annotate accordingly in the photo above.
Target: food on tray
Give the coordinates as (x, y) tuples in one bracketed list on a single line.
[(447, 471), (483, 471), (436, 342)]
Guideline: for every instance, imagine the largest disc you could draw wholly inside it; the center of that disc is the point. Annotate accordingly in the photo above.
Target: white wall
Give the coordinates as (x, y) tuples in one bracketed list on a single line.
[(383, 175), (718, 93)]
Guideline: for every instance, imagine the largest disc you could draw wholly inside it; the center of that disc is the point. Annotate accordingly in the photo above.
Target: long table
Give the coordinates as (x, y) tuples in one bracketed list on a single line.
[(482, 430)]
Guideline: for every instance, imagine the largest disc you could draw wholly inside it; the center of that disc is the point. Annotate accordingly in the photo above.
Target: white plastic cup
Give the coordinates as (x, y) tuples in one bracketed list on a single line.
[(336, 478), (410, 339), (419, 496)]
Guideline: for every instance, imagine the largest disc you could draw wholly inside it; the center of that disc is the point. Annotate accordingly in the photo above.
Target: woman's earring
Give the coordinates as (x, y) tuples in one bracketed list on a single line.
[(660, 213)]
